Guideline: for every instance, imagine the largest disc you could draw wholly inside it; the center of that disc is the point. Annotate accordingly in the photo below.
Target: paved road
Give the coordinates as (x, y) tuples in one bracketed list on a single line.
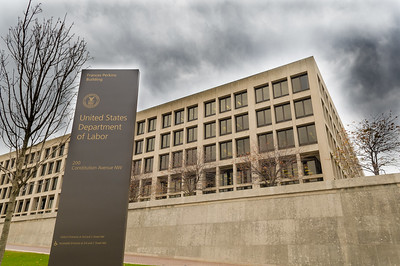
[(130, 258)]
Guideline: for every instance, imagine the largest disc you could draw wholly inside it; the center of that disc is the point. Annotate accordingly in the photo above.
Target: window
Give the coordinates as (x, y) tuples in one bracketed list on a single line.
[(148, 165), (43, 170), (307, 134), (225, 126), (209, 130), (53, 152), (152, 124), (137, 167), (27, 202), (164, 161), (165, 140), (244, 174), (20, 203), (43, 203), (280, 88), (285, 139), (50, 170), (243, 146), (303, 108), (192, 134), (140, 128), (47, 184), (139, 147), (179, 116), (289, 168), (225, 104), (166, 120), (282, 113), (33, 157), (300, 83), (209, 108), (177, 158), (210, 178), (176, 184), (192, 113), (264, 117), (210, 153), (61, 151), (39, 186), (311, 166), (146, 187), (46, 155), (241, 100), (265, 142), (225, 150), (50, 202), (25, 161), (190, 183), (226, 177), (31, 185), (178, 137), (191, 156), (262, 94), (242, 122), (58, 166), (54, 184), (150, 144), (162, 186)]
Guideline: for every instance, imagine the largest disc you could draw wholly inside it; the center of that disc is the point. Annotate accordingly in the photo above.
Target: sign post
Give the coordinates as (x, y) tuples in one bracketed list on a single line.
[(91, 221)]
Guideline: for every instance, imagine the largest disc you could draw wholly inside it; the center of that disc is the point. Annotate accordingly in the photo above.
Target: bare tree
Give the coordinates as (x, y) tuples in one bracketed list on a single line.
[(345, 155), (37, 80), (270, 167), (191, 169), (377, 142), (134, 189)]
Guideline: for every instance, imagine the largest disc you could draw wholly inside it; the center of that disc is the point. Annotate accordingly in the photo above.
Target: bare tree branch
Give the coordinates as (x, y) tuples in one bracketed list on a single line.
[(37, 84), (377, 142), (270, 167)]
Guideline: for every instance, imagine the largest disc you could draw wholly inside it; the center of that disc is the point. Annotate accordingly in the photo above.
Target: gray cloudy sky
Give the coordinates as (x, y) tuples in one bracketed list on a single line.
[(183, 47)]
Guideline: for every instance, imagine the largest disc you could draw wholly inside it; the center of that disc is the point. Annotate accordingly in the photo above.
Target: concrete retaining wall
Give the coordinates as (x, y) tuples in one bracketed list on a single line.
[(340, 222)]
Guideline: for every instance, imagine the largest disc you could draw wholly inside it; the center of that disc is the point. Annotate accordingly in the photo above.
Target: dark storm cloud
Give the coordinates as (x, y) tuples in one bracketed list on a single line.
[(171, 42), (373, 80), (182, 47)]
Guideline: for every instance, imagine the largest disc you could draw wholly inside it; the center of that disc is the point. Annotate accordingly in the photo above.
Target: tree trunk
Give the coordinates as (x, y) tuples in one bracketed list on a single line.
[(7, 221), (375, 163)]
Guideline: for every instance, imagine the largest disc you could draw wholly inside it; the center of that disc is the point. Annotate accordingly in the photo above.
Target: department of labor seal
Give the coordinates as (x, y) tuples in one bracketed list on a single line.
[(91, 100)]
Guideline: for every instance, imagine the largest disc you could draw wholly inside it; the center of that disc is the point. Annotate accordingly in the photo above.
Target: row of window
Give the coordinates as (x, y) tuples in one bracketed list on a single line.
[(52, 152), (306, 135), (41, 186), (22, 206), (46, 169), (280, 89), (303, 108), (175, 184)]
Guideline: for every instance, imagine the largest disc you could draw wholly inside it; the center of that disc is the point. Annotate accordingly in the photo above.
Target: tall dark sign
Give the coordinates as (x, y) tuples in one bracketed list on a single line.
[(91, 222)]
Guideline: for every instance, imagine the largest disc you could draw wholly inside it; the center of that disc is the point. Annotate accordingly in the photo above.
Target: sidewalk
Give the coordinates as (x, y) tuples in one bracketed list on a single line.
[(130, 258)]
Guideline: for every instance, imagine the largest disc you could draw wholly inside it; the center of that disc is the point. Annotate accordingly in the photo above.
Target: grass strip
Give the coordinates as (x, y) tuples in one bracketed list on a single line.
[(16, 258)]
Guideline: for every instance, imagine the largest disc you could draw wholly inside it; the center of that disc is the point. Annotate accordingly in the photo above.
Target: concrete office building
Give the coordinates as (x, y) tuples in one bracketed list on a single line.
[(286, 111)]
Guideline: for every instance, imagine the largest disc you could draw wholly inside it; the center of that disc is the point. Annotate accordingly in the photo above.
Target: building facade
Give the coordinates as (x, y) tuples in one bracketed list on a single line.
[(223, 139), (285, 115)]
